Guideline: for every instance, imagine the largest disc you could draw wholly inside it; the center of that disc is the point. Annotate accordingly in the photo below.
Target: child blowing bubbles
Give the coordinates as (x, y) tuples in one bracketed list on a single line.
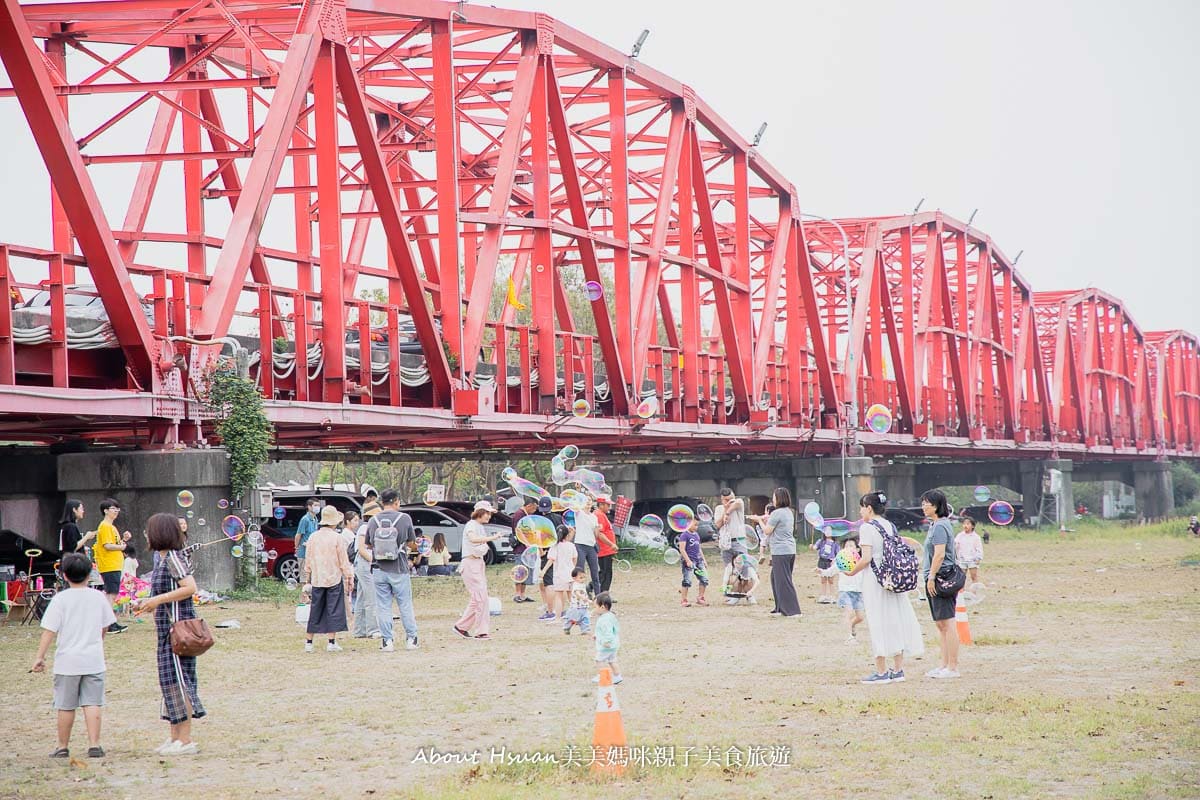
[(608, 637), (693, 563), (79, 618)]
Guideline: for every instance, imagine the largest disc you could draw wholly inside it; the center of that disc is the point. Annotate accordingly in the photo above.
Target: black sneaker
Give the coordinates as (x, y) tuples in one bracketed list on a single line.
[(116, 627)]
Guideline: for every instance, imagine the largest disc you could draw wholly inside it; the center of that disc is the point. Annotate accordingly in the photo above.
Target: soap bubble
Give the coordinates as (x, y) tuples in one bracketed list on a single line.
[(671, 556), (652, 524), (879, 418), (520, 573), (222, 503), (185, 499), (272, 554), (647, 408), (202, 522), (1001, 513), (521, 486), (233, 527), (236, 551), (424, 545), (534, 530), (292, 585), (581, 408), (569, 518), (679, 517), (594, 290), (982, 494), (704, 513), (191, 514), (280, 512), (569, 452)]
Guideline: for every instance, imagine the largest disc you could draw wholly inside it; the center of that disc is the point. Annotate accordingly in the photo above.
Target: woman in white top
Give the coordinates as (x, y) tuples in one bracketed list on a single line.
[(474, 574), (895, 632)]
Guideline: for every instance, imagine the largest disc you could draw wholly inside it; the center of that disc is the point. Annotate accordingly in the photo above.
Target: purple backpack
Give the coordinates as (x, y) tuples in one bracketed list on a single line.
[(899, 568)]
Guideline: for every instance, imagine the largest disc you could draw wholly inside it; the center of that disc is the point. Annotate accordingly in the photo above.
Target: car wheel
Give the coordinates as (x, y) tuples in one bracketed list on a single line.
[(490, 556), (288, 569)]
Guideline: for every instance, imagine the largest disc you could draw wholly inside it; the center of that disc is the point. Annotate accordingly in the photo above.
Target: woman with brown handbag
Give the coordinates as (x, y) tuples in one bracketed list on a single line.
[(171, 589)]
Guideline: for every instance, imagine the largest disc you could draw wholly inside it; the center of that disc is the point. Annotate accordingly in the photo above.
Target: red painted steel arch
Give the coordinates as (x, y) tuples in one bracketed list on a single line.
[(470, 170)]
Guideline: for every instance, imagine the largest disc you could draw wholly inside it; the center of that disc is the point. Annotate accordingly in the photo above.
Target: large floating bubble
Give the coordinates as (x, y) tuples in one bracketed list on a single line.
[(185, 499), (594, 290), (530, 558), (520, 573), (839, 527), (879, 418), (1001, 513), (534, 530), (982, 494), (679, 517), (647, 408), (233, 527), (704, 513), (279, 513), (581, 408), (222, 503), (651, 524), (589, 479), (521, 486)]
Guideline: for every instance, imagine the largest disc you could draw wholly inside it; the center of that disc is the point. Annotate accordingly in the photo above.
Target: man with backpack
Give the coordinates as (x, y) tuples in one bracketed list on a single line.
[(384, 545)]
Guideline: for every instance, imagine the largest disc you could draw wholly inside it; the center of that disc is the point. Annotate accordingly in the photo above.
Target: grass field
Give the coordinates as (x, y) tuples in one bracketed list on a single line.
[(1082, 683)]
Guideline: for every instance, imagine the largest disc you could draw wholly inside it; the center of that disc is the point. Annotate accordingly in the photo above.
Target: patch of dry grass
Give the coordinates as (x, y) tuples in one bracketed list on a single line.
[(1082, 684)]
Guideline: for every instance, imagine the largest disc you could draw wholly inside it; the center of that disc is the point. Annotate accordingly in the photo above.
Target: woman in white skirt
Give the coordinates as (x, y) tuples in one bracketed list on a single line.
[(895, 632)]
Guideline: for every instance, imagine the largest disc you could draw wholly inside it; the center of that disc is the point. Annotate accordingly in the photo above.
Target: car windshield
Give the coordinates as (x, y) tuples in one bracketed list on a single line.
[(454, 515)]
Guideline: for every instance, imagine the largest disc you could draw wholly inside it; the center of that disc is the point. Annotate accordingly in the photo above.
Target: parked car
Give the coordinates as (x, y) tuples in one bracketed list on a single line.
[(907, 519), (442, 518), (279, 535), (660, 506), (465, 508)]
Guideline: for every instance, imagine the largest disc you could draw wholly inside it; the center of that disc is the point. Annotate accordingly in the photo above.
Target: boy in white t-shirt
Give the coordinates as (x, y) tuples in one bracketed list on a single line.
[(850, 592), (79, 617)]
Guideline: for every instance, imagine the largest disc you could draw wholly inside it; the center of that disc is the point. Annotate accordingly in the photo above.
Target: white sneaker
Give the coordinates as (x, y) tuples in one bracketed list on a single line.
[(387, 647), (333, 647), (851, 640), (946, 674), (308, 647), (164, 746), (376, 634), (178, 748), (753, 601), (411, 644), (732, 601), (936, 672)]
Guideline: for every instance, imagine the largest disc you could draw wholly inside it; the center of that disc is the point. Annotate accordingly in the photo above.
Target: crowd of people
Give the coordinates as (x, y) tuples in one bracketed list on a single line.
[(361, 566)]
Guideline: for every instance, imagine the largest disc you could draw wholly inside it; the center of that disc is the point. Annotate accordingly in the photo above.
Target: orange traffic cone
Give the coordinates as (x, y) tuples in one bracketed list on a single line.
[(960, 620), (608, 733)]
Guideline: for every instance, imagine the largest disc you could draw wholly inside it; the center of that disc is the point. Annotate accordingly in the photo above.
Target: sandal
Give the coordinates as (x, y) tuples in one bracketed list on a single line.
[(61, 752), (701, 602), (685, 604)]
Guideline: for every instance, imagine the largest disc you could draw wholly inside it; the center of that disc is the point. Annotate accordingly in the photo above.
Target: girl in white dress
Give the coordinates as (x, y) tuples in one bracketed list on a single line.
[(895, 632)]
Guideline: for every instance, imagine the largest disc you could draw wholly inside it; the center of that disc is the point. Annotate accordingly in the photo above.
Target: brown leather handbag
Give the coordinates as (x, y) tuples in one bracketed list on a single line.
[(191, 637)]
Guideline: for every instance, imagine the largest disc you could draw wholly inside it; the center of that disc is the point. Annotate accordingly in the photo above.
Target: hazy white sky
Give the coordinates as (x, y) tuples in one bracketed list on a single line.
[(1072, 126)]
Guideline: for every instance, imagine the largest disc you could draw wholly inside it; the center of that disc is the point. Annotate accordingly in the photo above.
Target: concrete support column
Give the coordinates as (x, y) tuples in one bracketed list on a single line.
[(898, 482), (29, 501), (822, 480), (1035, 478), (146, 483), (623, 479), (1155, 489)]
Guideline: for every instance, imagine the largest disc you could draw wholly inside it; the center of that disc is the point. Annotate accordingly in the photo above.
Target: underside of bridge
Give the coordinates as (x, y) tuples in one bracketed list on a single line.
[(422, 226)]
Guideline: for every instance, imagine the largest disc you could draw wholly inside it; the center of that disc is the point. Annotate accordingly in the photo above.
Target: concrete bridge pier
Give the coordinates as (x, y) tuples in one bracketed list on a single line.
[(1155, 489), (146, 483)]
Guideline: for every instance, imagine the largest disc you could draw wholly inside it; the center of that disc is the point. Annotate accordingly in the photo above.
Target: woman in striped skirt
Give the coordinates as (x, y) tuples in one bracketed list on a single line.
[(171, 589)]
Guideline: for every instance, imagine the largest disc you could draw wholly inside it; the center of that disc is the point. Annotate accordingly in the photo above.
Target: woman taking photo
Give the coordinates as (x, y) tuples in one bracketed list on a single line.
[(939, 549), (474, 574), (895, 632), (171, 589), (779, 529)]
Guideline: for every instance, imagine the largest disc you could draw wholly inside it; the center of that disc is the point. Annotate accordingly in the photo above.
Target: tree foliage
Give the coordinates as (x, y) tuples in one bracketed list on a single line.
[(242, 426)]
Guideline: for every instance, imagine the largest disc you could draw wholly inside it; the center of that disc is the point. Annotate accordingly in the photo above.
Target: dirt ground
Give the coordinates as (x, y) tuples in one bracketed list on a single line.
[(1082, 683)]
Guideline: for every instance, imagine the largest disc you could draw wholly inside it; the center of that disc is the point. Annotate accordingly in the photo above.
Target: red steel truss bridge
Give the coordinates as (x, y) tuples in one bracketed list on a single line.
[(421, 225)]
